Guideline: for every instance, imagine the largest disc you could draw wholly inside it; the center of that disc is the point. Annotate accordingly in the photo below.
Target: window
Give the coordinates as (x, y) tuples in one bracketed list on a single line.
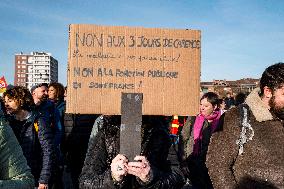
[(24, 62)]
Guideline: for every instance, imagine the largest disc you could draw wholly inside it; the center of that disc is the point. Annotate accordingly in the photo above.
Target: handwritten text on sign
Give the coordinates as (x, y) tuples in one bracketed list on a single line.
[(100, 40), (104, 72), (106, 61)]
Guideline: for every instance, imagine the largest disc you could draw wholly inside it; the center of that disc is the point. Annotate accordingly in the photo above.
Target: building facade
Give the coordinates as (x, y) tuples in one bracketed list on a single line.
[(34, 68), (221, 87)]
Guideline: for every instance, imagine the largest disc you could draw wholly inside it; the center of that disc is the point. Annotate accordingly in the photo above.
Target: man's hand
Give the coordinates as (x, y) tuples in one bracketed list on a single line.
[(140, 169)]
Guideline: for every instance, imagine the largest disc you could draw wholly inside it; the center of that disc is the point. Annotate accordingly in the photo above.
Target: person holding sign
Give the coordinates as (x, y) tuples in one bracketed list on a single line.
[(104, 167)]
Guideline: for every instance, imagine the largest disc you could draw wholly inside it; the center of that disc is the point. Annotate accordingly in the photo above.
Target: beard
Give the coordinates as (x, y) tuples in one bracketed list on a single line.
[(44, 98), (276, 109)]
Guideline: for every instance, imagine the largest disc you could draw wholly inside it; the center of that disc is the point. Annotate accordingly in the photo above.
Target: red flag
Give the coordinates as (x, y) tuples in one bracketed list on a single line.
[(3, 84)]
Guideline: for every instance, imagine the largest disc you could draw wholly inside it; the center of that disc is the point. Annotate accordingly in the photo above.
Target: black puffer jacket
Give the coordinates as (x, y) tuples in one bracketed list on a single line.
[(37, 146), (104, 146)]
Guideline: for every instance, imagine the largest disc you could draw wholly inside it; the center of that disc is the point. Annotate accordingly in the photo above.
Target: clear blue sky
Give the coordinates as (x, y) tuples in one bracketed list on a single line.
[(239, 38)]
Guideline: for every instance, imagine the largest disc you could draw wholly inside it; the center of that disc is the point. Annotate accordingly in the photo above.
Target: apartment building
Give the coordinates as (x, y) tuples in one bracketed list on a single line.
[(35, 68)]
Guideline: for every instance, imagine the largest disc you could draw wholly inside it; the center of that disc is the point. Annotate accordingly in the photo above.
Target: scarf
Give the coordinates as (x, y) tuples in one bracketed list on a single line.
[(198, 124)]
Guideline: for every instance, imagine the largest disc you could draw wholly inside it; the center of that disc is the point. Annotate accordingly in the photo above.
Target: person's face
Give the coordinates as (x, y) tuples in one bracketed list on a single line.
[(276, 102), (41, 93), (51, 93), (11, 105), (206, 108)]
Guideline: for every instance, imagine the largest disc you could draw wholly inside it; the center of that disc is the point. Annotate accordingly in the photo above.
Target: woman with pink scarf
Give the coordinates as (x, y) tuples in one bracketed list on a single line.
[(195, 138)]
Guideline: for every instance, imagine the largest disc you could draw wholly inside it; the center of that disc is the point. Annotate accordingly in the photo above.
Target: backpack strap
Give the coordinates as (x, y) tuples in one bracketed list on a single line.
[(247, 131)]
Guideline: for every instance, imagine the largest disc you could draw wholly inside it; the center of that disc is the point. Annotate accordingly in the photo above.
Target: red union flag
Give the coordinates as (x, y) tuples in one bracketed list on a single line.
[(3, 84)]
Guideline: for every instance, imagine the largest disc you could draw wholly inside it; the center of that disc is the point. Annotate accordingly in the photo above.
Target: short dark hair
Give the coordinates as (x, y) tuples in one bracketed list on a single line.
[(22, 95), (212, 97), (37, 86), (272, 77)]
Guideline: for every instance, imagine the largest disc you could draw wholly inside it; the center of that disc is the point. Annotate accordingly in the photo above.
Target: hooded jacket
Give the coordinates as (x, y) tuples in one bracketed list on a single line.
[(104, 146), (261, 163)]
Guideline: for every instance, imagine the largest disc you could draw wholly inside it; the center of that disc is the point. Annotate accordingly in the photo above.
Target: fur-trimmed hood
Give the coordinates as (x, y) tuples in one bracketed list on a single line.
[(258, 108)]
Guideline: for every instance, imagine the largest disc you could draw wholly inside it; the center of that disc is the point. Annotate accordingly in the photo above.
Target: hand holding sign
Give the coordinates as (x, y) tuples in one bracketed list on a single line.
[(119, 167), (141, 168)]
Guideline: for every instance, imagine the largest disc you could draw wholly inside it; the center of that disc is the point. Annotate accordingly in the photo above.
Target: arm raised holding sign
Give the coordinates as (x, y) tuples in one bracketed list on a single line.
[(104, 167)]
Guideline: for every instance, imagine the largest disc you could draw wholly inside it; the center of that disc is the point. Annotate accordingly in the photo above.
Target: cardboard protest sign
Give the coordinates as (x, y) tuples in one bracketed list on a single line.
[(3, 84), (105, 61)]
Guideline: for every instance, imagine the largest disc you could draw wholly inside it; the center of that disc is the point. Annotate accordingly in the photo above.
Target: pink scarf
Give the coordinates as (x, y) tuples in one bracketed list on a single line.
[(197, 134)]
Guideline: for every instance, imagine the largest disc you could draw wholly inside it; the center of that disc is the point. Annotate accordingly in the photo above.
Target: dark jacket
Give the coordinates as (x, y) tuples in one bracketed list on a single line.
[(261, 163), (229, 102), (37, 146), (61, 107), (193, 165), (52, 118), (104, 146), (77, 131)]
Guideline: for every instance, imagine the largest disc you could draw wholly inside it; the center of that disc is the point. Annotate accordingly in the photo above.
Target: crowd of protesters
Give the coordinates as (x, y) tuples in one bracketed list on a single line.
[(51, 141), (233, 142)]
